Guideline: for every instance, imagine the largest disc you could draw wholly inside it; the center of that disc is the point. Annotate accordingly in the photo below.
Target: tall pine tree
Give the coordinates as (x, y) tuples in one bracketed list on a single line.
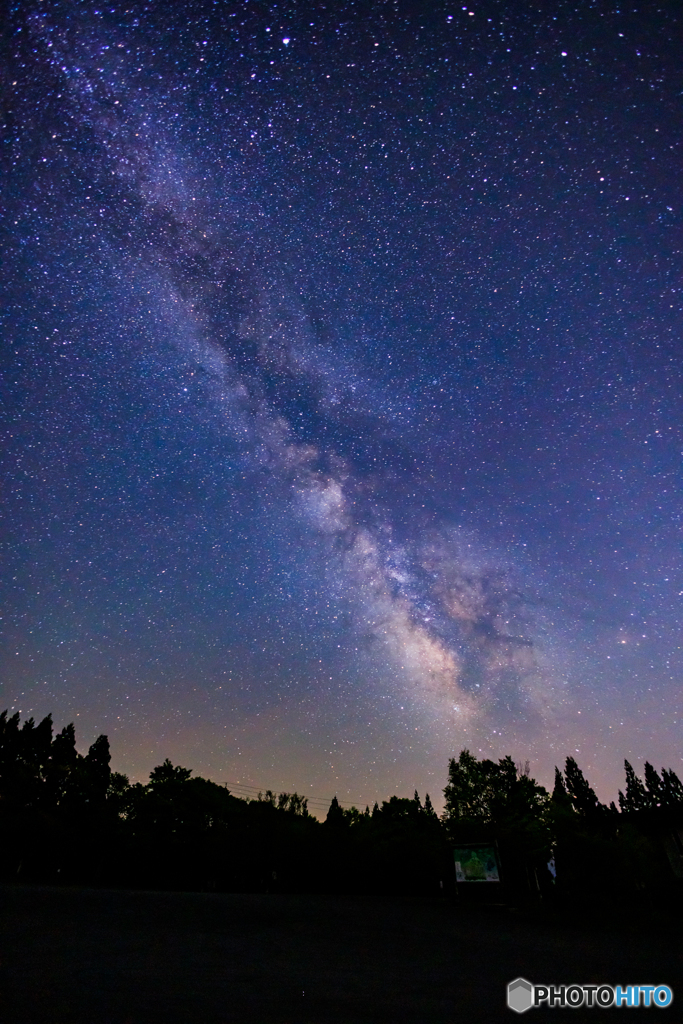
[(582, 795), (635, 798)]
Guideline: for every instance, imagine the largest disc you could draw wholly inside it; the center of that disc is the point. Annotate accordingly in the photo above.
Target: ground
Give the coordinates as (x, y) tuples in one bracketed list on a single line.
[(89, 956)]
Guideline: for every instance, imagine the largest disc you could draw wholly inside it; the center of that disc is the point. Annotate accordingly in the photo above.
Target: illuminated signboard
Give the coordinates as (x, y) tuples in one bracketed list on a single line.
[(476, 864)]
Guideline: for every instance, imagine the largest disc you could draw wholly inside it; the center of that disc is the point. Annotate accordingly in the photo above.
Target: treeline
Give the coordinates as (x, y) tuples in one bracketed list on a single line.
[(568, 844), (66, 817)]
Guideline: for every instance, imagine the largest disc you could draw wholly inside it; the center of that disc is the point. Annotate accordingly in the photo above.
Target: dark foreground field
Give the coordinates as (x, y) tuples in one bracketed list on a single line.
[(88, 956)]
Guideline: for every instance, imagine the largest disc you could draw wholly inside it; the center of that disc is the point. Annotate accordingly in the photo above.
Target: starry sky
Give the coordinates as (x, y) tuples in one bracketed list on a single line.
[(341, 386)]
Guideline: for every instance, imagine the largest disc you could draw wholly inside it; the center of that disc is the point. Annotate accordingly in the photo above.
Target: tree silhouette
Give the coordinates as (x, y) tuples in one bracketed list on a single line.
[(560, 796), (659, 791), (583, 797), (673, 788), (487, 792), (635, 798), (168, 776), (335, 815), (24, 758), (428, 809)]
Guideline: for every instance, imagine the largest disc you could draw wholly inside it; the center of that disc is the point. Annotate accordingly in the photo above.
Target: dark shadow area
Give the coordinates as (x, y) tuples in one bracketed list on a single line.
[(79, 956)]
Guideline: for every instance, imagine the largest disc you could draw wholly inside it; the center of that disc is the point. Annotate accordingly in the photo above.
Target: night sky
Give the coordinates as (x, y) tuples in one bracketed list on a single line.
[(341, 386)]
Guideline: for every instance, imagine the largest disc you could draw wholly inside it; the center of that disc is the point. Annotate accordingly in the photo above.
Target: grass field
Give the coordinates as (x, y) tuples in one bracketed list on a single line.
[(89, 956)]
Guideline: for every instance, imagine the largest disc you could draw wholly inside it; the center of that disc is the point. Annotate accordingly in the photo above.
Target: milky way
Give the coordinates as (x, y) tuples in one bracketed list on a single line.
[(342, 374)]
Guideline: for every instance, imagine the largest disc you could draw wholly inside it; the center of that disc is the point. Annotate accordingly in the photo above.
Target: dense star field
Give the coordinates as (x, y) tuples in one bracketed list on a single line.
[(341, 373)]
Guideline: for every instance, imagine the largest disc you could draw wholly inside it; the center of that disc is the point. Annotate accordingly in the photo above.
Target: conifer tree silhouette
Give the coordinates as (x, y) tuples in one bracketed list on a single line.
[(635, 798), (581, 794)]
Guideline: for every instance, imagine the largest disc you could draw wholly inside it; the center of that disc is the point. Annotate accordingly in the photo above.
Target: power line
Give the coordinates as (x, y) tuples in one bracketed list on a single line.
[(248, 790), (255, 790)]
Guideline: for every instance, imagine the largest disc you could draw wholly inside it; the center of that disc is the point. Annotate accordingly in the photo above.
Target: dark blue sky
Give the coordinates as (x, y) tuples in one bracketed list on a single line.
[(342, 386)]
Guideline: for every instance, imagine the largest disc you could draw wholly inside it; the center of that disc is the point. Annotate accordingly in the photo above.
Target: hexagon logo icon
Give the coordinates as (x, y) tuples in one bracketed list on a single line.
[(520, 995)]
